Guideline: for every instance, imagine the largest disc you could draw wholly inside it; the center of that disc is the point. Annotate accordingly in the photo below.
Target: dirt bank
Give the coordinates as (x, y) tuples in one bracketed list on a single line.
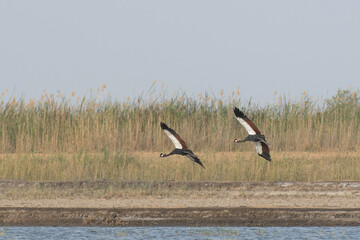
[(179, 217), (105, 203)]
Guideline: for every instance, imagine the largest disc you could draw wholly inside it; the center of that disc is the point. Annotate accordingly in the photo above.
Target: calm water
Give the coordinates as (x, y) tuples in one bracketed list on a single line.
[(49, 233)]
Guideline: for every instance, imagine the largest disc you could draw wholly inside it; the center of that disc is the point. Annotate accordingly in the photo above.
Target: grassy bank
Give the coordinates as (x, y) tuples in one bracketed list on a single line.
[(72, 138), (220, 166)]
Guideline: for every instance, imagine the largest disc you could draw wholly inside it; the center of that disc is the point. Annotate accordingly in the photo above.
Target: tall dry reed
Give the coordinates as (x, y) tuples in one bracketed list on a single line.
[(54, 124)]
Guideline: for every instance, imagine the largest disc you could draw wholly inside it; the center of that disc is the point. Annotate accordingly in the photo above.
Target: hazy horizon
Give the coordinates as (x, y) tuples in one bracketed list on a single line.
[(254, 47)]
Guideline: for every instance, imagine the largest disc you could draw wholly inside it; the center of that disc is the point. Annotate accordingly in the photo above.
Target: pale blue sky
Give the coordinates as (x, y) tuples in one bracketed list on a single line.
[(191, 46)]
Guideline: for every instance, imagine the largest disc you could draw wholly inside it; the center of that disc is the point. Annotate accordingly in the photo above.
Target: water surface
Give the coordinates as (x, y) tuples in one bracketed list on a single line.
[(50, 233)]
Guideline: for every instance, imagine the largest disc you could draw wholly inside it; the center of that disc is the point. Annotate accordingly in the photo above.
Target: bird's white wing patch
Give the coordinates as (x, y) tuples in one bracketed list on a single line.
[(258, 147), (173, 139), (246, 126)]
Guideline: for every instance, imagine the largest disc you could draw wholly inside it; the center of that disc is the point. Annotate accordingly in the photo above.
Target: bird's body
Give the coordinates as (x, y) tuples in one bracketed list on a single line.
[(255, 135), (180, 145)]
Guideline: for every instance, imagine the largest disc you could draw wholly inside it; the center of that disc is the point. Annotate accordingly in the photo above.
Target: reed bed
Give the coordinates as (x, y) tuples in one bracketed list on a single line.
[(61, 138), (57, 124)]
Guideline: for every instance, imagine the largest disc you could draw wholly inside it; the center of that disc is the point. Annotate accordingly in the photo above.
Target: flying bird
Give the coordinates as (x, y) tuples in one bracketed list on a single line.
[(255, 135), (180, 145)]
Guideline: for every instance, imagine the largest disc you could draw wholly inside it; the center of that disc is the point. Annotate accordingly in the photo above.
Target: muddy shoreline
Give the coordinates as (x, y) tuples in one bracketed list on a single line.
[(179, 217), (106, 203)]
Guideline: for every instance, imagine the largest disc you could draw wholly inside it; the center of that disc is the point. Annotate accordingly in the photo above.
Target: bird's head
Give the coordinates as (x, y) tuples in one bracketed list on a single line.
[(161, 155), (235, 141)]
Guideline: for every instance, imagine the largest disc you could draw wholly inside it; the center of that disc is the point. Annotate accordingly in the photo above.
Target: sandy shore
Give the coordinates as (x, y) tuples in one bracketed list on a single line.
[(182, 203)]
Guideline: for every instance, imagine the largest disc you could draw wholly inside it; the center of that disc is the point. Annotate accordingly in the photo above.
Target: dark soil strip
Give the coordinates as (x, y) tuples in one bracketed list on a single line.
[(304, 186), (179, 217)]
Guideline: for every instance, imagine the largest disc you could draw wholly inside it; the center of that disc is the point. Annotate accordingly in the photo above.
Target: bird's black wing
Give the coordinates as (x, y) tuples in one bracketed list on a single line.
[(174, 137), (246, 122), (194, 158)]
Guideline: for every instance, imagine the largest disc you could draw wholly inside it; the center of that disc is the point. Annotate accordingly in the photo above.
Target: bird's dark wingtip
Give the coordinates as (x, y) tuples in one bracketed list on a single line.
[(163, 125), (238, 113), (197, 160), (202, 165), (266, 156)]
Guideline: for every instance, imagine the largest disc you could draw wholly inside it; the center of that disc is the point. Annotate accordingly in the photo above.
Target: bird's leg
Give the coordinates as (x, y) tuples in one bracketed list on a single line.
[(261, 138)]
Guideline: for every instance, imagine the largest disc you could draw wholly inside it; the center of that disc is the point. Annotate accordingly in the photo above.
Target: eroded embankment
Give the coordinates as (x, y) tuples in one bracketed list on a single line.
[(179, 217), (105, 203)]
